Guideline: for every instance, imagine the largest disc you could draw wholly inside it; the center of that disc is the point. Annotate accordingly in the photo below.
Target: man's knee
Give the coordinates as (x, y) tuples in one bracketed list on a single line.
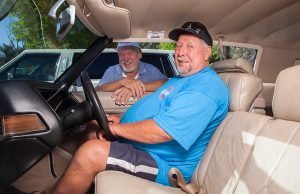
[(94, 154)]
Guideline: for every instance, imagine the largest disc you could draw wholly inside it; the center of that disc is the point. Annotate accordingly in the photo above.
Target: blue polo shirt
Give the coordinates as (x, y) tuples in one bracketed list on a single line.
[(147, 73), (189, 109)]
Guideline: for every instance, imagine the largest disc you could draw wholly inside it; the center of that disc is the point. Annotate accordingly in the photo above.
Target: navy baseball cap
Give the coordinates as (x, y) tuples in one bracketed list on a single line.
[(193, 28), (134, 44)]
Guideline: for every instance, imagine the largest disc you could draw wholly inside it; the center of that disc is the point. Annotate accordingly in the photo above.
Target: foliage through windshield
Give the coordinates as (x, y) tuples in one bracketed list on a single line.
[(28, 28)]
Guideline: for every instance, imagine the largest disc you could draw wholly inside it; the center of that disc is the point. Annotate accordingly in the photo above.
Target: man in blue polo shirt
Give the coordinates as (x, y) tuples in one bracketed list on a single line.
[(169, 128), (131, 77)]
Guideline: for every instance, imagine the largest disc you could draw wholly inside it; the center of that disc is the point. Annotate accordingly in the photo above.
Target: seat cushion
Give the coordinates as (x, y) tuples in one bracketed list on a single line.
[(251, 153), (274, 161), (114, 182), (228, 151)]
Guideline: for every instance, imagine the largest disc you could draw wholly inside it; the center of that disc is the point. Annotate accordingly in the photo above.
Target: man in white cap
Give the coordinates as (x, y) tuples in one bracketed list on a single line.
[(131, 77)]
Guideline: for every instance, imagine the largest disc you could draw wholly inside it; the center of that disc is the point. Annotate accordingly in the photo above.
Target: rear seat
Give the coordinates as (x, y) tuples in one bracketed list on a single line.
[(245, 87), (248, 153)]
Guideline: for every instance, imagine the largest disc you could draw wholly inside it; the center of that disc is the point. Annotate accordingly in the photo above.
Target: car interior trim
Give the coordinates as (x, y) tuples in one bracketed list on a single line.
[(19, 124)]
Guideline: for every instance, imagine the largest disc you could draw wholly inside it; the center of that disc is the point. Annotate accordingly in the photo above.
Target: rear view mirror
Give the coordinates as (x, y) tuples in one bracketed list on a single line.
[(65, 22), (5, 7)]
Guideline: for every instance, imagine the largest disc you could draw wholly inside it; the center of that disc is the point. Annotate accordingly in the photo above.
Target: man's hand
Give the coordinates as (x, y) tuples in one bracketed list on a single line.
[(122, 95), (137, 87), (90, 131), (114, 119)]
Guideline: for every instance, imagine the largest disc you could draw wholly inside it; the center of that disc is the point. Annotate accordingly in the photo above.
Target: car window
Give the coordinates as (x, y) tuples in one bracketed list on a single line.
[(160, 61), (233, 52), (96, 69), (32, 66)]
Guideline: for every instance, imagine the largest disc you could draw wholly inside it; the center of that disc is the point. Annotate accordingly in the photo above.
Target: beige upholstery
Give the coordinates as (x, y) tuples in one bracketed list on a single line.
[(244, 86), (228, 152), (238, 65), (287, 86), (112, 182), (258, 105), (251, 153), (248, 153), (92, 12)]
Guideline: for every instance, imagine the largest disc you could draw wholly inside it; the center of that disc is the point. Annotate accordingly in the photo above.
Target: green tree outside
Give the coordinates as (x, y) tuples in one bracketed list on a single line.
[(37, 30), (34, 29)]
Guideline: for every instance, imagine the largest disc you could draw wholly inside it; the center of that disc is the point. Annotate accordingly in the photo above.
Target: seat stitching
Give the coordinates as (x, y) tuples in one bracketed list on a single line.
[(258, 94), (249, 154), (240, 93), (270, 178), (209, 163)]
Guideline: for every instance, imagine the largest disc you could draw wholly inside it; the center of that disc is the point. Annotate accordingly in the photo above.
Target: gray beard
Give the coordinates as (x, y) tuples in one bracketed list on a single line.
[(128, 70), (184, 71)]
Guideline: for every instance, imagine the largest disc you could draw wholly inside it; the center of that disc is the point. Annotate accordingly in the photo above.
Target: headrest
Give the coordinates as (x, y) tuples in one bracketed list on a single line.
[(286, 99), (244, 89), (233, 65)]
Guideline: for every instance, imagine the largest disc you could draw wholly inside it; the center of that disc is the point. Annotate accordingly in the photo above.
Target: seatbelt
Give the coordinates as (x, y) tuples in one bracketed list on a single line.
[(177, 180)]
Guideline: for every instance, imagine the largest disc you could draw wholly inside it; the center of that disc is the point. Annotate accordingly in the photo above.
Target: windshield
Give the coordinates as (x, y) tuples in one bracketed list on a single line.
[(28, 45), (29, 48)]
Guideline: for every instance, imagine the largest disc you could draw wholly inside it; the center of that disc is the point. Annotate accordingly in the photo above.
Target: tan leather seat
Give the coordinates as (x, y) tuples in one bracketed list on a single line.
[(248, 153), (245, 87), (252, 153)]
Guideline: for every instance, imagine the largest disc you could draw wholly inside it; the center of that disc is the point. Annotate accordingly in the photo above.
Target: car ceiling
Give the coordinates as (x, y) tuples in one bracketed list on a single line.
[(270, 23)]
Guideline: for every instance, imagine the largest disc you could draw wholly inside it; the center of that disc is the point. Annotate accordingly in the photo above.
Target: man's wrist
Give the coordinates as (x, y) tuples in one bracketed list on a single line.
[(122, 82), (114, 128)]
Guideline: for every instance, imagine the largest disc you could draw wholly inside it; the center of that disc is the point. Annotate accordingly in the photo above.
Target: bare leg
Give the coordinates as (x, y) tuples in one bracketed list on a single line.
[(89, 160)]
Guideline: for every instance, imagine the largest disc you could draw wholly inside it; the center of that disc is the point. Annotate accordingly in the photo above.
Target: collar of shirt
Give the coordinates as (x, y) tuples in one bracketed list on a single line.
[(135, 77), (142, 70)]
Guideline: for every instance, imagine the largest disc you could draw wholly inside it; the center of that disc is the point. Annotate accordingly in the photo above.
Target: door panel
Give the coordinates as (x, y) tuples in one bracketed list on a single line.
[(107, 101)]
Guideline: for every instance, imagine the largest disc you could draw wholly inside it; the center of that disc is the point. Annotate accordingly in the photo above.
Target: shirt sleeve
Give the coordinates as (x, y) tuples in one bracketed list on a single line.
[(107, 77), (186, 116)]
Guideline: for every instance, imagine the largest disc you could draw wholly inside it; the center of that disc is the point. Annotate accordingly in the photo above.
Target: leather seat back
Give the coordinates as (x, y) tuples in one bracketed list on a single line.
[(245, 87), (253, 153)]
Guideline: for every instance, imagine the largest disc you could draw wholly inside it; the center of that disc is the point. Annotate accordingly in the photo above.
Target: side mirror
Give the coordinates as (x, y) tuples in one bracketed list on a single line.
[(5, 7), (65, 22)]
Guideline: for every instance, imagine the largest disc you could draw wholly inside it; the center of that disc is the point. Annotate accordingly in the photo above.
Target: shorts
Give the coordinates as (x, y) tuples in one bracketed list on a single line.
[(125, 158)]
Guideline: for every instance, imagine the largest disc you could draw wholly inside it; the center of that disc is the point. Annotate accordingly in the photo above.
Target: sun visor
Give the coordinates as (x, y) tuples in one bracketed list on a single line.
[(103, 18)]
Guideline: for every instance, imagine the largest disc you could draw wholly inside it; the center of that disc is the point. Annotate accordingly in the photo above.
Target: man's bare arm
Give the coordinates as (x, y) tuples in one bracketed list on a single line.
[(146, 131), (136, 86), (152, 86), (110, 87), (136, 89)]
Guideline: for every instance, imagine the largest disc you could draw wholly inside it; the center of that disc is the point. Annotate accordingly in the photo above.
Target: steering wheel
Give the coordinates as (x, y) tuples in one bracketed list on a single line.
[(98, 111)]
